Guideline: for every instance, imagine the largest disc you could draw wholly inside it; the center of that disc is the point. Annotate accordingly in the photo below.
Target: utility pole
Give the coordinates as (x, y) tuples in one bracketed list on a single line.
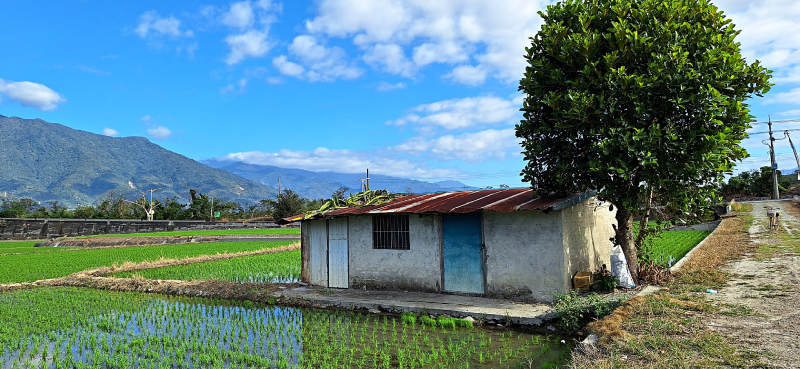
[(150, 212), (367, 179), (211, 218), (279, 185), (775, 194)]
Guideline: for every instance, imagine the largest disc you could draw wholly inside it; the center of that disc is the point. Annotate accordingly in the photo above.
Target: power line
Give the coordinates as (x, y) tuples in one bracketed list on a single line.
[(777, 122)]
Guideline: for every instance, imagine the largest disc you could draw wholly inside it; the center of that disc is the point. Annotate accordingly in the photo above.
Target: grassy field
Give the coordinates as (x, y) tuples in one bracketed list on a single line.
[(10, 247), (84, 328), (222, 232), (673, 245), (34, 266), (281, 267)]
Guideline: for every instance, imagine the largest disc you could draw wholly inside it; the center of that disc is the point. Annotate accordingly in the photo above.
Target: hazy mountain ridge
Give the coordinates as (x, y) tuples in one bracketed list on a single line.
[(316, 185), (52, 162)]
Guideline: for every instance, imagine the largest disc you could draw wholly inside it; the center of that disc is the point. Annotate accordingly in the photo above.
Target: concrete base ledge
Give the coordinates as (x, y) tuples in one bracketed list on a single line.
[(397, 302)]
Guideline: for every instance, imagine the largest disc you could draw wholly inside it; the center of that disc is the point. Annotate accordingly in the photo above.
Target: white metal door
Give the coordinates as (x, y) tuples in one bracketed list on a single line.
[(319, 252), (338, 276)]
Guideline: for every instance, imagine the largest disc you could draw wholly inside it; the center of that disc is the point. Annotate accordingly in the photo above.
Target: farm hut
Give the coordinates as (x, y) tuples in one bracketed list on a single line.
[(500, 243)]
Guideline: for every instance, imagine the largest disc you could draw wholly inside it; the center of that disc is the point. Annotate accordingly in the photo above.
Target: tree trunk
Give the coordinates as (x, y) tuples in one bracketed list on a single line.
[(624, 238), (643, 223)]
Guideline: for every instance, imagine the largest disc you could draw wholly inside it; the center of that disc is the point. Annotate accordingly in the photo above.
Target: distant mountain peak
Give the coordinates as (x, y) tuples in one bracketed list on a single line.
[(52, 162)]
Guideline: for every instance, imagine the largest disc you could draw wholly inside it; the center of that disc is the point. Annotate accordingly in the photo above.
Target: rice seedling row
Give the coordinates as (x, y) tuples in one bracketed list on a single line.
[(36, 266), (673, 245), (220, 232), (148, 331), (280, 267)]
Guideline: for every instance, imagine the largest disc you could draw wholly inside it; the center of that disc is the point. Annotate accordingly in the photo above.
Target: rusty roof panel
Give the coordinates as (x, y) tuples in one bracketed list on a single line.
[(462, 202)]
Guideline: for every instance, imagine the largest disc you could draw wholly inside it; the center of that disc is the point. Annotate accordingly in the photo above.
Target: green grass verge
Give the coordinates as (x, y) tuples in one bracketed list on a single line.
[(221, 232), (673, 245), (35, 266), (283, 267)]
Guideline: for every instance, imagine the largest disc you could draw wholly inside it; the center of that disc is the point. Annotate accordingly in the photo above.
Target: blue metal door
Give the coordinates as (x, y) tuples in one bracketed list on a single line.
[(461, 251)]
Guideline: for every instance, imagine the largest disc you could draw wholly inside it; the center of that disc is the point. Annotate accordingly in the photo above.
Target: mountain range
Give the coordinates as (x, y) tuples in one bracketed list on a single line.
[(52, 162), (317, 185)]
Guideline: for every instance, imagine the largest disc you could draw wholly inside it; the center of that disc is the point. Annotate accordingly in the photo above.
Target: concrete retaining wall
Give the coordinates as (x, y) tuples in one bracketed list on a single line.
[(27, 229)]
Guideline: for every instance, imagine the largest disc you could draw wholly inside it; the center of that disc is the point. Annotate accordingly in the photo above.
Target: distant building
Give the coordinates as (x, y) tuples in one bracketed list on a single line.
[(499, 243)]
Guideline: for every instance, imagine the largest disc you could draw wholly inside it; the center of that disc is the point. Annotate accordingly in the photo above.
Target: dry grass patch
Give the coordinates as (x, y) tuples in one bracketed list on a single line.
[(668, 329)]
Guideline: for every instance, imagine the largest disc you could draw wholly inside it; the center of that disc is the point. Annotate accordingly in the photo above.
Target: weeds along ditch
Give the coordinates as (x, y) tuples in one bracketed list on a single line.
[(280, 267), (84, 328), (35, 266), (221, 232)]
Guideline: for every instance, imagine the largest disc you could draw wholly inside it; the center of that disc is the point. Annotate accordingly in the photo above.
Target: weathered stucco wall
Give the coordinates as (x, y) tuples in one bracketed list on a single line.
[(25, 228), (417, 269), (524, 254), (587, 230), (316, 234)]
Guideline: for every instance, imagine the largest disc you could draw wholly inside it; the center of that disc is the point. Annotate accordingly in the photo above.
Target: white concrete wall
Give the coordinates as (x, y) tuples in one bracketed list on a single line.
[(524, 254), (417, 269), (587, 228)]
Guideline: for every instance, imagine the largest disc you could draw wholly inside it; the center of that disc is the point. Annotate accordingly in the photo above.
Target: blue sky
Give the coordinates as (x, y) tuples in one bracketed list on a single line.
[(420, 89)]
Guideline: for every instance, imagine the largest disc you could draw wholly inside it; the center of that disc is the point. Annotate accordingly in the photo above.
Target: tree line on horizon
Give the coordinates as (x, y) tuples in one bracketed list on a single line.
[(113, 205)]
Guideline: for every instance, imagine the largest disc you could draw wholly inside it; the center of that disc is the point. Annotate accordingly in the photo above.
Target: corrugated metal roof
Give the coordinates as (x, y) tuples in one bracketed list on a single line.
[(461, 202)]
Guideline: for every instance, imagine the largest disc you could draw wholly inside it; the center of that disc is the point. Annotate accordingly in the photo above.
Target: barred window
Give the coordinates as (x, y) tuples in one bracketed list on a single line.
[(390, 232)]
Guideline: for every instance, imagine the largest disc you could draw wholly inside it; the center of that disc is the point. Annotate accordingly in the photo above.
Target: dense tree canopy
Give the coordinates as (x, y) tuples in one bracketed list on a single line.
[(636, 100)]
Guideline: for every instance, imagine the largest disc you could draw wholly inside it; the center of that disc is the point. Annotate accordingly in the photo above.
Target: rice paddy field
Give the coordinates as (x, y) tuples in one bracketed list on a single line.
[(282, 267), (32, 266), (673, 245), (223, 232), (83, 328)]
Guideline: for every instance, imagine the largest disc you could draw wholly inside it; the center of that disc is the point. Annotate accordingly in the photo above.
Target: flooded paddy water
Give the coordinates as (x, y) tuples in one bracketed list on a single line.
[(101, 329)]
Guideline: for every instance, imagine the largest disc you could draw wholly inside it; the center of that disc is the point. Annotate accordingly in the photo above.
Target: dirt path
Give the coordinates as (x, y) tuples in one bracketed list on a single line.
[(764, 290)]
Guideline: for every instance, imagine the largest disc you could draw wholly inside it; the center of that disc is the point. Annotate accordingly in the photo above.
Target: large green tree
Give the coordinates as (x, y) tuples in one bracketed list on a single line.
[(641, 101)]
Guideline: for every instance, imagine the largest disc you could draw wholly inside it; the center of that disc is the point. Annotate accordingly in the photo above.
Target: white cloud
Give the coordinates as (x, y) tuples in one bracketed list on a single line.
[(391, 58), (319, 62), (492, 33), (31, 94), (768, 33), (795, 112), (288, 68), (252, 43), (274, 80), (146, 118), (110, 132), (239, 16), (159, 133), (242, 83), (191, 48), (789, 97), (151, 23), (386, 86), (474, 147), (468, 75), (346, 161), (462, 113)]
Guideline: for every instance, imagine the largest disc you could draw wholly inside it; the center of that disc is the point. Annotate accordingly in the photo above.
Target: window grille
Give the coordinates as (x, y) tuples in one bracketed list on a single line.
[(390, 232)]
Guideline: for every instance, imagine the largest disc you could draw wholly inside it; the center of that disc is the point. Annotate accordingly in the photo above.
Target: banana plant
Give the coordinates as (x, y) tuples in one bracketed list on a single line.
[(355, 200)]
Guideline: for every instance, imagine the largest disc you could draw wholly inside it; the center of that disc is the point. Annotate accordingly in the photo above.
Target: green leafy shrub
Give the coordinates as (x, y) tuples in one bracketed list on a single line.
[(426, 320), (572, 310), (408, 318)]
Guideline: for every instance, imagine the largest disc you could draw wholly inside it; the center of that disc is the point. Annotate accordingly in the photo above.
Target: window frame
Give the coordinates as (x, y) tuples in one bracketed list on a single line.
[(391, 232)]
